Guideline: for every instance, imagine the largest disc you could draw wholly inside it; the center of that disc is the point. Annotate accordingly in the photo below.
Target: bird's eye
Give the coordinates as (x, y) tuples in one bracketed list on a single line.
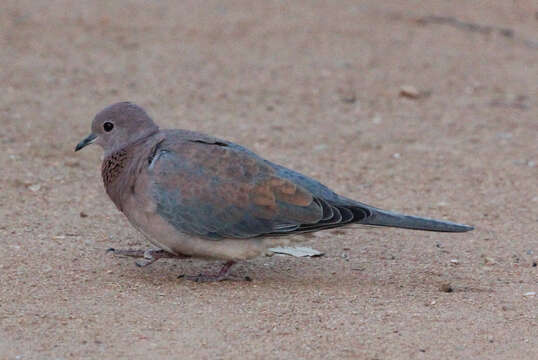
[(108, 126)]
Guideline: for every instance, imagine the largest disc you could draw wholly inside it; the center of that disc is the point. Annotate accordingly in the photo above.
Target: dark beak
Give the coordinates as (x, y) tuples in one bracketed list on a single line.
[(87, 141)]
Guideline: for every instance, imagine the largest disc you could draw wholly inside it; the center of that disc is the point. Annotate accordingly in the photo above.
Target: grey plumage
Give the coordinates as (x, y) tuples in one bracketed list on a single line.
[(195, 195)]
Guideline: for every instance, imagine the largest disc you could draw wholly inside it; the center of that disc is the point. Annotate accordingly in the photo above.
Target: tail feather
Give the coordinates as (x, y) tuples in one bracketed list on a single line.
[(380, 217)]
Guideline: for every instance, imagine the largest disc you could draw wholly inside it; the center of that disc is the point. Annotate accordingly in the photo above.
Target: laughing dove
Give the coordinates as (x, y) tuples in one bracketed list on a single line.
[(193, 195)]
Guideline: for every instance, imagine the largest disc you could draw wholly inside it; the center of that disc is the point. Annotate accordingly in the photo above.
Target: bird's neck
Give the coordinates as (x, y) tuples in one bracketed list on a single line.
[(113, 166), (120, 168), (112, 170)]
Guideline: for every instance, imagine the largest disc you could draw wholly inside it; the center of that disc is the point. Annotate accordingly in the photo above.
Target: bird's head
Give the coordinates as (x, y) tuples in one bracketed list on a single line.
[(119, 125)]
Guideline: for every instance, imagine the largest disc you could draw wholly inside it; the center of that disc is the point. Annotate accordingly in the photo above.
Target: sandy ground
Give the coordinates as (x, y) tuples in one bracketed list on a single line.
[(313, 85)]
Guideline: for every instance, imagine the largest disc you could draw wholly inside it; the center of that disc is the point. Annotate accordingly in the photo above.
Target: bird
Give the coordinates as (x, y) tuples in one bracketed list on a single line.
[(193, 195)]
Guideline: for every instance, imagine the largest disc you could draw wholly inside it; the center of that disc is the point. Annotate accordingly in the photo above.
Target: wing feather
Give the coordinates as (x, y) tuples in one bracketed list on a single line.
[(217, 191)]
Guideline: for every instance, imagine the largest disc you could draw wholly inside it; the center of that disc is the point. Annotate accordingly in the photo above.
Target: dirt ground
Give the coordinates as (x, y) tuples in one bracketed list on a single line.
[(314, 85)]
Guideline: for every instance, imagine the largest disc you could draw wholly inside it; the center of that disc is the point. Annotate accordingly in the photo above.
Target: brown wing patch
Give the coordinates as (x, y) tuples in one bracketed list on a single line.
[(288, 192), (269, 193), (235, 193), (263, 195), (234, 184)]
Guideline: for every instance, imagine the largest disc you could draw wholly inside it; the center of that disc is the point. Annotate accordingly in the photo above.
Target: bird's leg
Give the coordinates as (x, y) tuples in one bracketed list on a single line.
[(148, 256), (220, 276)]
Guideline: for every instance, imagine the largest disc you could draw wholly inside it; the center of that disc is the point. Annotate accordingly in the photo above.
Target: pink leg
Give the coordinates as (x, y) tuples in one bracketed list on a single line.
[(220, 276), (148, 256)]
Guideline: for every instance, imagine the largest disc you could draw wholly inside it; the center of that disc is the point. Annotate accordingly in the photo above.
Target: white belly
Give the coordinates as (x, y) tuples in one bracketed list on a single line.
[(163, 235)]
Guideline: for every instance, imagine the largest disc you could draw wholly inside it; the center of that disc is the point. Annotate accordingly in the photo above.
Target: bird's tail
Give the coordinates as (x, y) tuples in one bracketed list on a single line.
[(380, 217)]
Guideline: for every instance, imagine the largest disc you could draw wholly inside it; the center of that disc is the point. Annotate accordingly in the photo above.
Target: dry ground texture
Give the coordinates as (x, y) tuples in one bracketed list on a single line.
[(311, 84)]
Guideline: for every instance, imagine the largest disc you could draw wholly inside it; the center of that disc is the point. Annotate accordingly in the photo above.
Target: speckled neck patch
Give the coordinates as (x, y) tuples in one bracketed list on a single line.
[(113, 166)]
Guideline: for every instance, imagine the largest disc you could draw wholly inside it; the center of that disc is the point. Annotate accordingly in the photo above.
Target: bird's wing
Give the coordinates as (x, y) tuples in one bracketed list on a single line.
[(216, 189)]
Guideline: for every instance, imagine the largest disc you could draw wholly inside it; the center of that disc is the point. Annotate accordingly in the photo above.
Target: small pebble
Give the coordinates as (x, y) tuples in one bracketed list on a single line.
[(454, 261), (377, 119), (529, 294), (446, 287), (504, 135), (34, 188), (409, 91), (349, 98), (83, 214), (320, 147)]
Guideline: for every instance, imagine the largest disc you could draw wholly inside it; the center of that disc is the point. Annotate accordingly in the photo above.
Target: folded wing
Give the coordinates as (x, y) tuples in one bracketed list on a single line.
[(216, 189)]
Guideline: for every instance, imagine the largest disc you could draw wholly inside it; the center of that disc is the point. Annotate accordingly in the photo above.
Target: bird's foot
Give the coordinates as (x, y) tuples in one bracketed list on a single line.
[(222, 275), (148, 256)]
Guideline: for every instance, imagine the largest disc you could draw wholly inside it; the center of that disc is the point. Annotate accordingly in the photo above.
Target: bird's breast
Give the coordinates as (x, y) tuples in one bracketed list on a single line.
[(116, 177)]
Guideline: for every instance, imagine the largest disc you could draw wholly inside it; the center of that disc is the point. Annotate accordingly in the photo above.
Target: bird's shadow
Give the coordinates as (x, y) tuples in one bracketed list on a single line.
[(277, 272)]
